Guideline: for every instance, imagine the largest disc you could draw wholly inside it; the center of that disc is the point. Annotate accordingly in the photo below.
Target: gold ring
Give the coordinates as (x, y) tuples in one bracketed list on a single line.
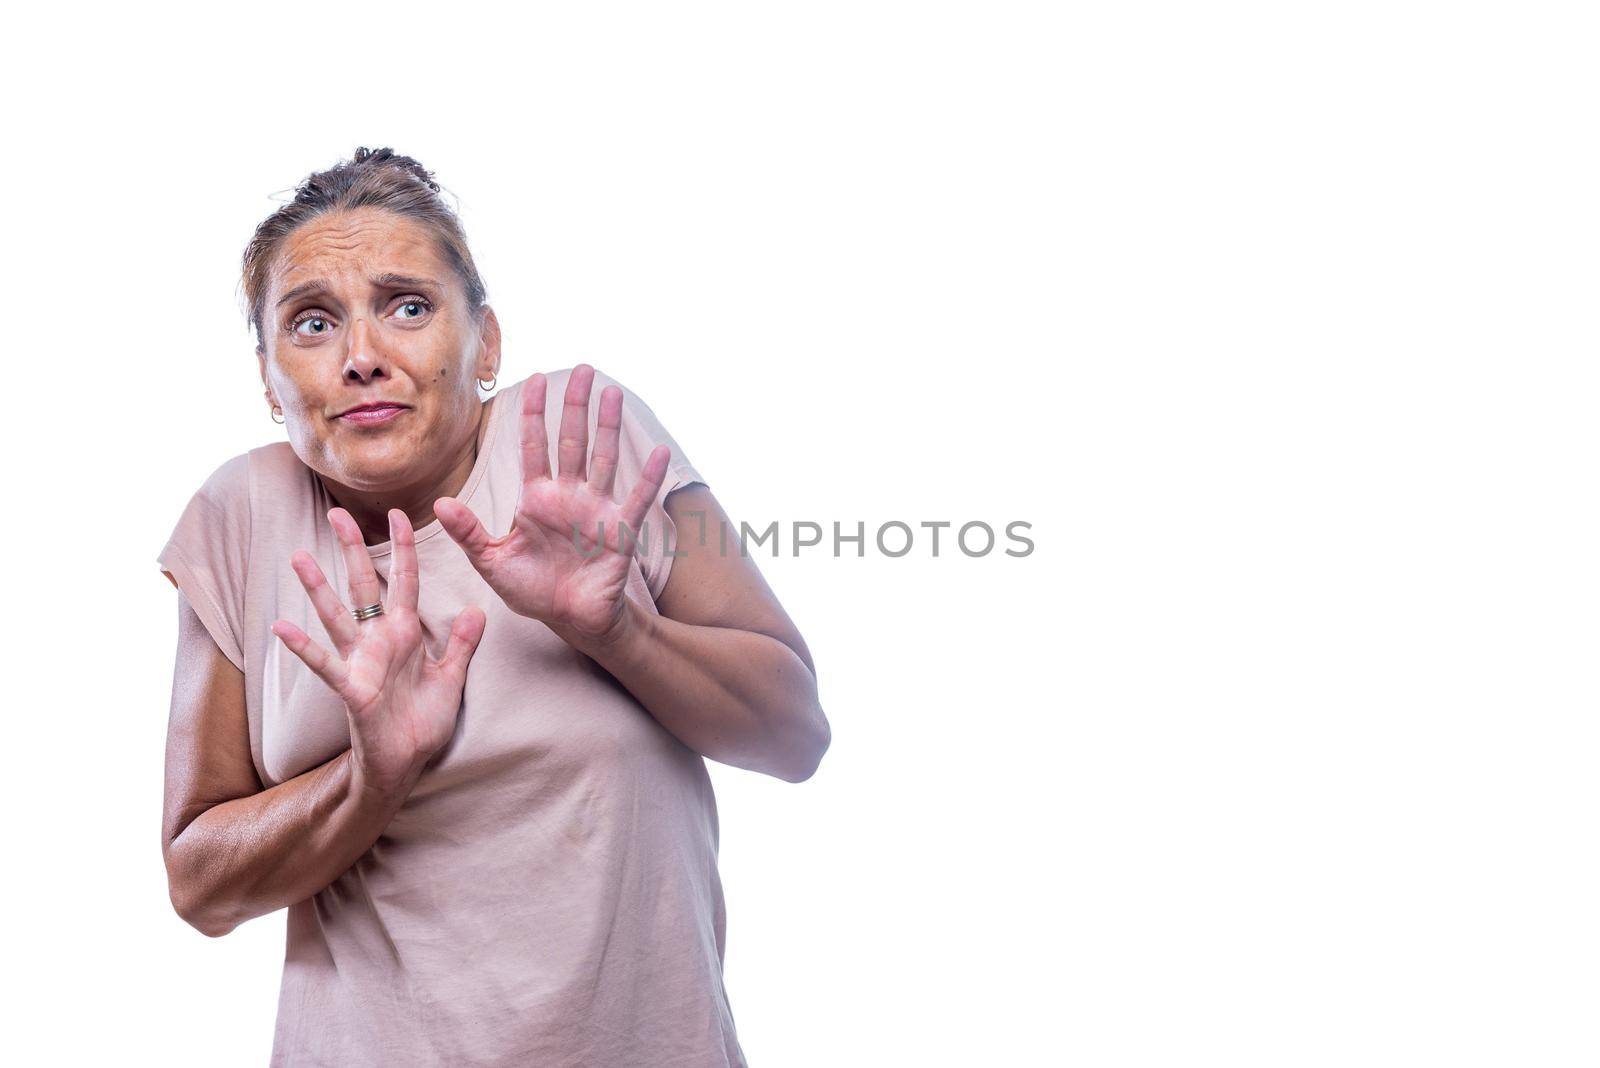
[(368, 612)]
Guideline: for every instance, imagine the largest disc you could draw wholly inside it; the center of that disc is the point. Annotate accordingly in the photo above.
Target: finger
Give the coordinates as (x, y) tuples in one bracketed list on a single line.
[(465, 633), (645, 490), (336, 618), (403, 578), (326, 667), (573, 444), (607, 442), (535, 438), (465, 529), (362, 576)]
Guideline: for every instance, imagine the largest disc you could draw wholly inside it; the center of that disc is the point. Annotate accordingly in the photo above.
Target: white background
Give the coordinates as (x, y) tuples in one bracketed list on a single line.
[(1275, 321)]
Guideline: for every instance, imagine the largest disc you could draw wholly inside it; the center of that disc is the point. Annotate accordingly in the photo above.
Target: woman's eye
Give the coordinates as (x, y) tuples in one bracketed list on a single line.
[(413, 309), (316, 323)]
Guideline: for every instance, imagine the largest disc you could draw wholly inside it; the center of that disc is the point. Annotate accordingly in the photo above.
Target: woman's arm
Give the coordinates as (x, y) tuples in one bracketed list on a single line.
[(234, 850), (722, 666)]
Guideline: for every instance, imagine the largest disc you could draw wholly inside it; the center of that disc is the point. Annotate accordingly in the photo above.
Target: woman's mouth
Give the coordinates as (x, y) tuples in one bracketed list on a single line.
[(373, 414)]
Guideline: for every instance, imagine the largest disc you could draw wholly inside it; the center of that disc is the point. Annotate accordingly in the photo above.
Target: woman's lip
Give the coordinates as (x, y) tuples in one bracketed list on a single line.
[(372, 416)]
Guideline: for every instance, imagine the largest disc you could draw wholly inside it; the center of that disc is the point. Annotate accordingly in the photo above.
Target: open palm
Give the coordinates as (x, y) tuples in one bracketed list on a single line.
[(565, 559), (402, 704)]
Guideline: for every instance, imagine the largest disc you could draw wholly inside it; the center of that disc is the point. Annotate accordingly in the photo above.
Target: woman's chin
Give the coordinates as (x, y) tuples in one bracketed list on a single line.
[(376, 468)]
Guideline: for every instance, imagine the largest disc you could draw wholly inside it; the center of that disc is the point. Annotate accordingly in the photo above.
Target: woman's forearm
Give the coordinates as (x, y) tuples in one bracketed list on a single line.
[(736, 696), (253, 855)]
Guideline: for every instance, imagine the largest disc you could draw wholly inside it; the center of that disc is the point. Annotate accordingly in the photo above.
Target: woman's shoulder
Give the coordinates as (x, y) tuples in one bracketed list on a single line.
[(277, 461), (239, 484)]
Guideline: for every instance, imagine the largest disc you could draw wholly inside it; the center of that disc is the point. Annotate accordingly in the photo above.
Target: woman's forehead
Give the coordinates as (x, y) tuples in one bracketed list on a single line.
[(355, 245)]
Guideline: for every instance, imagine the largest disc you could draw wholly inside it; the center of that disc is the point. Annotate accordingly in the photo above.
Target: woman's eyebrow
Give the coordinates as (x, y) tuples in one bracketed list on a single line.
[(388, 280), (304, 289), (403, 281)]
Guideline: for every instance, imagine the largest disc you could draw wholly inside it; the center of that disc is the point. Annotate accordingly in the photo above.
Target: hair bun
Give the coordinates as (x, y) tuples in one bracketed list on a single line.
[(381, 157)]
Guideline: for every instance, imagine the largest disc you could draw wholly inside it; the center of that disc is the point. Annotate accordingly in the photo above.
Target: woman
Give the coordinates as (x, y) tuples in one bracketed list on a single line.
[(471, 766)]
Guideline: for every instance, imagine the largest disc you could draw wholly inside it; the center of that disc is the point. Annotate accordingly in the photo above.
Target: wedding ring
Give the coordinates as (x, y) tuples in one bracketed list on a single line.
[(368, 612)]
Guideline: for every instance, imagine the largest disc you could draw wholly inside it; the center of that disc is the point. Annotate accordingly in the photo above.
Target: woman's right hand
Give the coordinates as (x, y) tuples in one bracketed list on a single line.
[(402, 704)]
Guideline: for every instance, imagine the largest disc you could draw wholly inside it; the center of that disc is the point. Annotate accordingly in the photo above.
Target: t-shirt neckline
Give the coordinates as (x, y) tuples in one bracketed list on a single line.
[(468, 488)]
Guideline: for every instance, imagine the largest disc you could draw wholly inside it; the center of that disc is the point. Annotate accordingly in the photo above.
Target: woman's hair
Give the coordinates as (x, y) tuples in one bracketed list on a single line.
[(373, 177)]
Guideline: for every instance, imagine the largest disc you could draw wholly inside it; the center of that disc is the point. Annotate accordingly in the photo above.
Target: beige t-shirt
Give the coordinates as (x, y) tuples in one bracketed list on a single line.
[(548, 894)]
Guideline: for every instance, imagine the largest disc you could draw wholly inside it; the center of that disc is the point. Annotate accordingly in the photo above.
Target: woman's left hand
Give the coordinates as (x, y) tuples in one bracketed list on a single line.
[(555, 564)]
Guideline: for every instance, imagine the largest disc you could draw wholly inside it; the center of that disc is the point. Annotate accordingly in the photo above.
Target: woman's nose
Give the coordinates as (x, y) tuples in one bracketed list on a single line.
[(362, 360)]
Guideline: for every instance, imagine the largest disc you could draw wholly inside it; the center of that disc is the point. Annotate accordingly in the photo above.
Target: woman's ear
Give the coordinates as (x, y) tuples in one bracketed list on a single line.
[(261, 363), (488, 345)]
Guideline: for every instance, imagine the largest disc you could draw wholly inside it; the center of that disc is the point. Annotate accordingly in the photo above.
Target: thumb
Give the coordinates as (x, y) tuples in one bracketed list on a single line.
[(465, 633), (465, 529)]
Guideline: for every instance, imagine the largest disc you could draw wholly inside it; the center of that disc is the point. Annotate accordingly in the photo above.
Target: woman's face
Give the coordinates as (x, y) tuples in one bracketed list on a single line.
[(361, 309)]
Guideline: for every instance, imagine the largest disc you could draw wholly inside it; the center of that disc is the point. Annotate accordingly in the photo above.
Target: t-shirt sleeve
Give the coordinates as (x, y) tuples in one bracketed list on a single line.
[(206, 555), (642, 431)]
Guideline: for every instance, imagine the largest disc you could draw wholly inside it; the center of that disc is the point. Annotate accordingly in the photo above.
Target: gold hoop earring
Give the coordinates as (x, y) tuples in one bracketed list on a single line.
[(494, 378), (277, 412)]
